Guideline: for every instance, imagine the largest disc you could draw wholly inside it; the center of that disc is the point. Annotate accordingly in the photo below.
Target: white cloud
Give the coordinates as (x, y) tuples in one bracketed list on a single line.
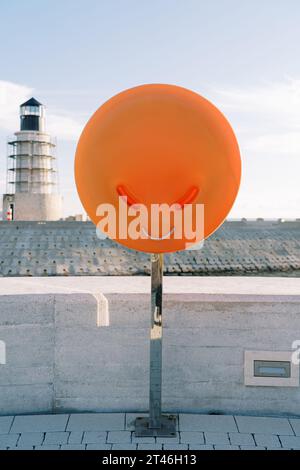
[(267, 117), (277, 143), (277, 99), (63, 126), (266, 120), (11, 96), (60, 124)]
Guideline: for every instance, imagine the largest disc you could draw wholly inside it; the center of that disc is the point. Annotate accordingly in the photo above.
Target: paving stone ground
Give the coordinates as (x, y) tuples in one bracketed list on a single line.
[(115, 431)]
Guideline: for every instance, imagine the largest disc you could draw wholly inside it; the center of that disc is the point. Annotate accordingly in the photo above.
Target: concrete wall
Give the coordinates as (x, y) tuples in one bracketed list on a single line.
[(88, 351), (37, 207)]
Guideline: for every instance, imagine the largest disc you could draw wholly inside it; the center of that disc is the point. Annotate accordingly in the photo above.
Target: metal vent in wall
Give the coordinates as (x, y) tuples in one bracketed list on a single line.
[(270, 368)]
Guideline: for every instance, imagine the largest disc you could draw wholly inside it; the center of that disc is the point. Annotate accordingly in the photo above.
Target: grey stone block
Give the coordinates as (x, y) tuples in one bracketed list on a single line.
[(31, 439), (192, 437), (98, 446), (267, 440), (124, 446), (143, 440), (201, 447), (175, 446), (226, 447), (241, 439), (8, 440), (59, 437), (192, 422), (75, 437), (295, 423), (252, 448), (49, 447), (97, 422), (274, 448), (261, 425), (94, 437), (118, 437), (168, 440), (40, 423), (73, 447), (149, 446), (290, 442), (5, 424), (24, 447), (216, 438)]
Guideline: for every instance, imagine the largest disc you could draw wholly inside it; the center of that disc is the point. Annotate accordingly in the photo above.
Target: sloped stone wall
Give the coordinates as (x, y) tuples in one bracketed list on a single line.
[(73, 249)]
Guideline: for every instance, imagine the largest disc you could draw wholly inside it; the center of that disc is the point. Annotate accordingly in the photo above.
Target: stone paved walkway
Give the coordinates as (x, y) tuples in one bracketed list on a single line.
[(106, 431)]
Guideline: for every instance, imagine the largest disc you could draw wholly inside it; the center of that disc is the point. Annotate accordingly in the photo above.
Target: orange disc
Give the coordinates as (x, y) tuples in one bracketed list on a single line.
[(157, 144)]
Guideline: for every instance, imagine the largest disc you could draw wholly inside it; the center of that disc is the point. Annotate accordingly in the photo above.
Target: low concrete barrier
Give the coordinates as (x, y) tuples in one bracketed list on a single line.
[(82, 344)]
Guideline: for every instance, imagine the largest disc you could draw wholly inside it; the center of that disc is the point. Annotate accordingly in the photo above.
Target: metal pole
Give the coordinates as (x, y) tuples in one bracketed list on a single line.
[(156, 424), (156, 341)]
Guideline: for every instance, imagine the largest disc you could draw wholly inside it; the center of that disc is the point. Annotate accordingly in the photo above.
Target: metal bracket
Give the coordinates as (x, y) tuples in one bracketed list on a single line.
[(167, 427)]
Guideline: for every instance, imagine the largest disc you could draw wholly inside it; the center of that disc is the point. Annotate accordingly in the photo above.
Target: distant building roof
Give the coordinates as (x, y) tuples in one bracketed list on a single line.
[(243, 248), (31, 102)]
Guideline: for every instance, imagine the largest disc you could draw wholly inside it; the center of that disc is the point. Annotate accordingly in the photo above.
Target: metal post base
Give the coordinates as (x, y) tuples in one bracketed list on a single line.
[(167, 428)]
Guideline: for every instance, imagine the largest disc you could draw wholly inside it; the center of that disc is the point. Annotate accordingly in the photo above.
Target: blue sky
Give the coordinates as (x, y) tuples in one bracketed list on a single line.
[(242, 55)]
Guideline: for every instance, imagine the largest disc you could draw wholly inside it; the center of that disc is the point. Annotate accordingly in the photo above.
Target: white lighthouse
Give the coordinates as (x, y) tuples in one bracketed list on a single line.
[(32, 191)]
